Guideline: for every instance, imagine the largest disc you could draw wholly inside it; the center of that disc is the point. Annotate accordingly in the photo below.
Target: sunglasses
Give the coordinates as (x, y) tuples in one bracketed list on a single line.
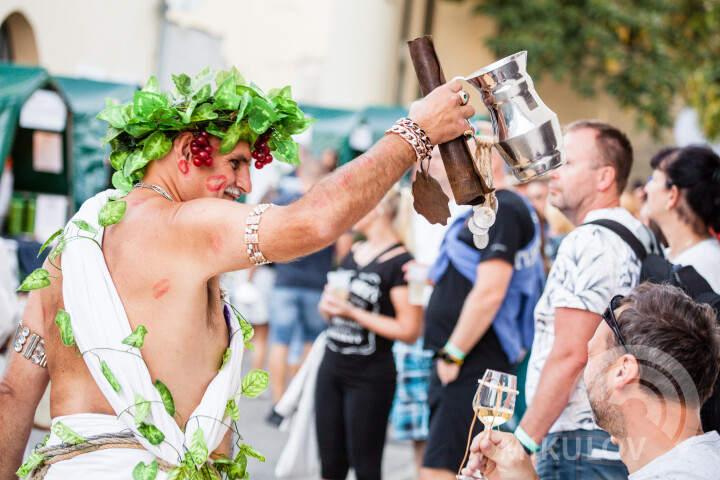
[(611, 320)]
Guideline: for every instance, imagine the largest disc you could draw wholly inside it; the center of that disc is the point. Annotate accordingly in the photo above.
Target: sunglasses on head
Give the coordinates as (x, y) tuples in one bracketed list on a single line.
[(611, 320)]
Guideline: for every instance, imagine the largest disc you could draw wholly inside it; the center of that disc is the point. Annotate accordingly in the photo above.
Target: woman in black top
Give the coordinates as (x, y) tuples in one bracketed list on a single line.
[(356, 380)]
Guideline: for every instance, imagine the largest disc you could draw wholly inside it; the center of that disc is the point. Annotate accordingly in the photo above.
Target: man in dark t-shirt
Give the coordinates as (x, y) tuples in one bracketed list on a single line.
[(479, 317)]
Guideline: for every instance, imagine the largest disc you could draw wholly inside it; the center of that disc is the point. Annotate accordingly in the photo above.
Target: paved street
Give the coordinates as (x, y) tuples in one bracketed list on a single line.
[(398, 463)]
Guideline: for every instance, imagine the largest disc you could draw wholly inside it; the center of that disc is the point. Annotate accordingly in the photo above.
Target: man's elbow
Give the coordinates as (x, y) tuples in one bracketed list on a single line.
[(571, 359)]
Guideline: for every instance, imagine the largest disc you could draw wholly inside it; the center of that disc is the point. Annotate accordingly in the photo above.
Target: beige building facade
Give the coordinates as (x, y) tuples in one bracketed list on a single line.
[(335, 53)]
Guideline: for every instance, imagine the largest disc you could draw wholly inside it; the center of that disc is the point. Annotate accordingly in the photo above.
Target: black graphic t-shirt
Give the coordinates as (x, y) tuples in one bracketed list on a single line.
[(349, 344)]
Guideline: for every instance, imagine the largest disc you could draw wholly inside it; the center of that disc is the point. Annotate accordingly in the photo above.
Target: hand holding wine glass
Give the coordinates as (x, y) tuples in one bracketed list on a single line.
[(494, 404)]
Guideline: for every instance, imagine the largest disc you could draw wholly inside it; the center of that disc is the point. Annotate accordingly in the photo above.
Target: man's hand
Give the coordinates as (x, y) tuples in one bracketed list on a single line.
[(500, 456), (441, 113), (447, 372)]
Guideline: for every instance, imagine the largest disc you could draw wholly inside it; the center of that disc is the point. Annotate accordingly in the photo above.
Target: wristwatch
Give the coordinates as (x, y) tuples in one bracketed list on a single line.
[(447, 358)]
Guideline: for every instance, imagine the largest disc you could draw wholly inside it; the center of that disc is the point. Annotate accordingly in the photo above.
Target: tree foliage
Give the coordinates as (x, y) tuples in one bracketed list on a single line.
[(645, 53)]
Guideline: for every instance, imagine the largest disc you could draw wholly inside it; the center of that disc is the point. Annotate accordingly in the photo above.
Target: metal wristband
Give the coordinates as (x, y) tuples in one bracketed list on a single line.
[(32, 343), (455, 351), (415, 136), (526, 441), (252, 235)]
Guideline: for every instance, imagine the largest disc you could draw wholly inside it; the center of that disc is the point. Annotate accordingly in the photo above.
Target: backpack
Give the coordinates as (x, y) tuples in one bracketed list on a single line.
[(655, 268)]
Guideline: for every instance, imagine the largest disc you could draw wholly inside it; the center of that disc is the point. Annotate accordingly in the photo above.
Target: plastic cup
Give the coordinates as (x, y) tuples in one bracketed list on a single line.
[(339, 283), (417, 280)]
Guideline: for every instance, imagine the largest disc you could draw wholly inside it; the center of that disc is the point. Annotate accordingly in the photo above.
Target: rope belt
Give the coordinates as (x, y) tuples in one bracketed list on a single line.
[(59, 453)]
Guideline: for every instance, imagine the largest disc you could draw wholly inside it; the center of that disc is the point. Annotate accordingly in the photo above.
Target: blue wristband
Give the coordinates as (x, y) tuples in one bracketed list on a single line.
[(528, 443), (455, 351)]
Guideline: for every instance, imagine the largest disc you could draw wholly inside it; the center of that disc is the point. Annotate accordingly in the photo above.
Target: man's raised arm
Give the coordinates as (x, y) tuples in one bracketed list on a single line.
[(332, 206)]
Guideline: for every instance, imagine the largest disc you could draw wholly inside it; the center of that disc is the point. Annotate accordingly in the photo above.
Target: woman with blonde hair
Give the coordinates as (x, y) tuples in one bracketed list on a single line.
[(357, 377)]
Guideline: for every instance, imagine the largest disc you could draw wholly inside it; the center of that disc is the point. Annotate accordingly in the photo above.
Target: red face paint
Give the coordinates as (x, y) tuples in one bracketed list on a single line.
[(216, 183), (216, 244), (183, 166), (161, 288)]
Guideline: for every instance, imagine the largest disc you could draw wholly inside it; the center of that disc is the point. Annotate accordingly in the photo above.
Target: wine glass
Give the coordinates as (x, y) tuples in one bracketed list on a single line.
[(494, 404)]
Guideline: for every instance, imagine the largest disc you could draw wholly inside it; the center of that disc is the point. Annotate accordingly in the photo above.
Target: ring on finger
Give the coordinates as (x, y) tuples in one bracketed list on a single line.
[(464, 97)]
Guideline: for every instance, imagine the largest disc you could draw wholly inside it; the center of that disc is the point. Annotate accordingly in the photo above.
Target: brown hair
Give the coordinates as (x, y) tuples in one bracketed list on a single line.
[(662, 320), (614, 148)]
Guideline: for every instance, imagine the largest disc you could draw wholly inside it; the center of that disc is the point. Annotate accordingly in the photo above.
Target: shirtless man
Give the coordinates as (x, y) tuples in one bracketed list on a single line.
[(165, 257)]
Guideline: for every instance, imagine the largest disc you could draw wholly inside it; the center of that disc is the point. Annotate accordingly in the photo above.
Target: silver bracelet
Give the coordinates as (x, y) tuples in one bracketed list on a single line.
[(252, 235), (33, 344), (415, 136)]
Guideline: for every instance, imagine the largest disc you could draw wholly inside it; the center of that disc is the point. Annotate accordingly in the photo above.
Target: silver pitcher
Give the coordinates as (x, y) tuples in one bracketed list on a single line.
[(527, 132)]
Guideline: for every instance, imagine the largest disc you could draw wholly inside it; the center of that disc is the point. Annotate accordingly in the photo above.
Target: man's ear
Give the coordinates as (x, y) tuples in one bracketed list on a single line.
[(626, 371), (181, 145), (607, 178)]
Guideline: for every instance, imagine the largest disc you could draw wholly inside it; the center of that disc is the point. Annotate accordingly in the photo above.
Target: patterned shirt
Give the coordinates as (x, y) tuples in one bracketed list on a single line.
[(592, 265)]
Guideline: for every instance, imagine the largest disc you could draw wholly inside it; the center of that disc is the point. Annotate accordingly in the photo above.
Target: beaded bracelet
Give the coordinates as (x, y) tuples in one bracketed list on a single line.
[(415, 136), (33, 344), (252, 235)]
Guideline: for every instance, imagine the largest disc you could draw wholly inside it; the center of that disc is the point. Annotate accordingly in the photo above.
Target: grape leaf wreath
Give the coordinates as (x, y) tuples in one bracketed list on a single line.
[(139, 132)]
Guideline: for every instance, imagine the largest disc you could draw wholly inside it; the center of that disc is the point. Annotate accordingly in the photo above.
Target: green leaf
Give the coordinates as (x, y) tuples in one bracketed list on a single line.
[(169, 120), (262, 115), (232, 469), (247, 329), (166, 397), (182, 83), (241, 462), (109, 376), (239, 79), (136, 338), (60, 247), (111, 213), (118, 157), (36, 280), (67, 435), (156, 146), (286, 147), (232, 410), (231, 138), (138, 129), (225, 359), (179, 473), (48, 241), (145, 472), (134, 162), (254, 383), (31, 462), (251, 452), (121, 182), (249, 346), (198, 447), (148, 106), (151, 433), (203, 94), (142, 408), (187, 116), (226, 97), (111, 133), (152, 85), (83, 225), (114, 115), (213, 129), (206, 111), (62, 319)]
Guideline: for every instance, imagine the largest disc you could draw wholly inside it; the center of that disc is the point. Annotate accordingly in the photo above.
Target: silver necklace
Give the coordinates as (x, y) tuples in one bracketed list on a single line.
[(154, 187)]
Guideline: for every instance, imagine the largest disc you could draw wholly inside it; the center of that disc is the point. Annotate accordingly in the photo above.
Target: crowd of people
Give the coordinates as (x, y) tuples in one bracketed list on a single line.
[(620, 372)]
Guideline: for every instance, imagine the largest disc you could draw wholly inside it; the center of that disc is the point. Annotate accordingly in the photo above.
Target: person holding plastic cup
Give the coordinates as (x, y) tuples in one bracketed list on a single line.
[(357, 377)]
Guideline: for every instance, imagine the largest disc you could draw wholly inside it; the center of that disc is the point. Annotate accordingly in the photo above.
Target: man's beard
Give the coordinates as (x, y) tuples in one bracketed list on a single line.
[(606, 413)]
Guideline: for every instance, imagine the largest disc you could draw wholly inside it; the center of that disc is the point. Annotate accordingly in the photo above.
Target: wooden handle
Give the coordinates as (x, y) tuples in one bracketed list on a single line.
[(467, 187)]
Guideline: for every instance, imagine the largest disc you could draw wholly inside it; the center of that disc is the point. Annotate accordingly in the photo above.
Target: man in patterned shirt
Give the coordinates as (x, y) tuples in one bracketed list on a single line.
[(592, 264)]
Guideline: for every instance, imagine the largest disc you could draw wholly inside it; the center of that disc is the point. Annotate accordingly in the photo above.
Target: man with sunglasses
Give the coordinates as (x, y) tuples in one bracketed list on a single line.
[(651, 365), (592, 264)]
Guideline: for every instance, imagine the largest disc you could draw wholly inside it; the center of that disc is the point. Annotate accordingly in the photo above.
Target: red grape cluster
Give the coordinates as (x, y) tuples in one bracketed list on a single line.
[(261, 151), (201, 149)]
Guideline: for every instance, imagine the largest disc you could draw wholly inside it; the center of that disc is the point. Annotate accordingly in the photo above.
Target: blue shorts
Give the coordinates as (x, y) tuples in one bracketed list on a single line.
[(291, 307)]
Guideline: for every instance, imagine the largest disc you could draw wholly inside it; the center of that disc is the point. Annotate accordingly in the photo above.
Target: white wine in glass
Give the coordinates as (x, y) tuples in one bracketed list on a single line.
[(494, 404)]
